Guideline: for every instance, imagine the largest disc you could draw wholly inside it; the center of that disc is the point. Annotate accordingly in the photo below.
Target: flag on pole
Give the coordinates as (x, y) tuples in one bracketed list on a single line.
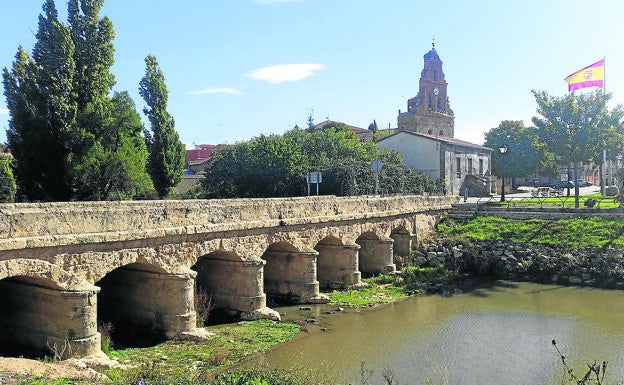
[(590, 76)]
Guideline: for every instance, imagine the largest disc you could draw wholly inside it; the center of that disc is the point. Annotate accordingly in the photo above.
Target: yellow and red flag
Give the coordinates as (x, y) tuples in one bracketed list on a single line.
[(590, 76)]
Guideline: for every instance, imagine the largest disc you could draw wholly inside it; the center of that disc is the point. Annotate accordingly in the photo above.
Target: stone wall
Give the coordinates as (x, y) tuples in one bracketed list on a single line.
[(588, 266)]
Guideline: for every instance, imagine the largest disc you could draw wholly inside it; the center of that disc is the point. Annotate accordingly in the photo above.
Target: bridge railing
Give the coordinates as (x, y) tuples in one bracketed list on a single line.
[(561, 201)]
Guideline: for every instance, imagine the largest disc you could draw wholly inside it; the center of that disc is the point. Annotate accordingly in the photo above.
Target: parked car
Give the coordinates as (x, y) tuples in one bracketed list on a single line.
[(583, 183), (559, 184)]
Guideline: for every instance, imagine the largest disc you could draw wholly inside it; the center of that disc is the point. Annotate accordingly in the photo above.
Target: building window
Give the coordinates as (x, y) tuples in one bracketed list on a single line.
[(435, 75), (458, 167), (481, 167), (470, 166)]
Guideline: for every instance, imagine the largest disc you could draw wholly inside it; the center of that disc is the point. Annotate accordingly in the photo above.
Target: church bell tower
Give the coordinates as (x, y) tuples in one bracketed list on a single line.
[(429, 112)]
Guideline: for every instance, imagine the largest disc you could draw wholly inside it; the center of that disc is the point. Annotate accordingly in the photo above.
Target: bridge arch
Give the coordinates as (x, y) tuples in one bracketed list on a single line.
[(337, 263), (145, 304), (45, 310), (233, 284)]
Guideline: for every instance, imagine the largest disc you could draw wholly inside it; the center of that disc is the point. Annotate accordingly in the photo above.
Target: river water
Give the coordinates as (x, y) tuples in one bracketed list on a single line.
[(495, 334)]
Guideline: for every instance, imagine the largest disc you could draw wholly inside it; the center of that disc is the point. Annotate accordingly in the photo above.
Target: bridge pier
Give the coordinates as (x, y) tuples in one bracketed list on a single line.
[(291, 275), (403, 243), (235, 285), (376, 256), (155, 301), (338, 265), (36, 318)]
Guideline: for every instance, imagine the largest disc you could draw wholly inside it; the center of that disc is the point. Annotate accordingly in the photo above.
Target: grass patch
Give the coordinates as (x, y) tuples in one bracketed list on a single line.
[(385, 288), (180, 359), (567, 233), (561, 201), (375, 295)]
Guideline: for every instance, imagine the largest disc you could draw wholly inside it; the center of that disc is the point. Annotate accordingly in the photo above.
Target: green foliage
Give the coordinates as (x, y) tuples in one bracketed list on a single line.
[(70, 140), (276, 166), (42, 110), (565, 233), (7, 180), (576, 128), (166, 152), (526, 154)]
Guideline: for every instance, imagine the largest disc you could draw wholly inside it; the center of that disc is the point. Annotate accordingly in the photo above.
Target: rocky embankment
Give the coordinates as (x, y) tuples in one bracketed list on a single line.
[(588, 266)]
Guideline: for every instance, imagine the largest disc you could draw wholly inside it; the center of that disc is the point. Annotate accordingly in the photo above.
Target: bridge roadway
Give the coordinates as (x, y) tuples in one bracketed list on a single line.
[(66, 267)]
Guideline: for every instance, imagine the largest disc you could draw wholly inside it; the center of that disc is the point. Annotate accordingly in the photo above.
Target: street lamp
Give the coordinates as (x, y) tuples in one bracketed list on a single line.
[(503, 150)]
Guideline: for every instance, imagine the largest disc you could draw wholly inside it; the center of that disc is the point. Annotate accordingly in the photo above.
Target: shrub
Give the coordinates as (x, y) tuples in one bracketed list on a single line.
[(203, 305)]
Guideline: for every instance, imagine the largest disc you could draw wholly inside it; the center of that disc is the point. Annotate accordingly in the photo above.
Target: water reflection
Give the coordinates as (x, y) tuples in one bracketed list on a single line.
[(490, 335)]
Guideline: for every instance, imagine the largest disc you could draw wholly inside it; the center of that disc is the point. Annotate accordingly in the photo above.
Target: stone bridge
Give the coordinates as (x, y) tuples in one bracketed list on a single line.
[(66, 267)]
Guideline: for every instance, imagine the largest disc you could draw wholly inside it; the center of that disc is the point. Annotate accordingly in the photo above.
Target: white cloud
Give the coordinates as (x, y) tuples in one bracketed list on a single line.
[(4, 111), (216, 90), (264, 2), (285, 72)]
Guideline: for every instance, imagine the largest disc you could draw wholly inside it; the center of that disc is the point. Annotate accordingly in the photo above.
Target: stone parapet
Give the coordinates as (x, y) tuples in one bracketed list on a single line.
[(38, 225)]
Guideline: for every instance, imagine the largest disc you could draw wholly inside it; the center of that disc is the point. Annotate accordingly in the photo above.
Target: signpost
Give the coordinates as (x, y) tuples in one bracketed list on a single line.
[(314, 177)]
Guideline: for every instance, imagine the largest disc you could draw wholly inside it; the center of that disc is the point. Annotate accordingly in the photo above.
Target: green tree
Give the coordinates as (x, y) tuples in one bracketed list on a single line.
[(166, 152), (114, 167), (526, 154), (113, 158), (93, 38), (7, 180), (42, 110), (577, 127), (276, 166)]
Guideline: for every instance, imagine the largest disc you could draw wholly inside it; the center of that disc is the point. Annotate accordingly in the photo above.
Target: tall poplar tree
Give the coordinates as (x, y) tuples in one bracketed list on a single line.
[(166, 153), (113, 148), (40, 97)]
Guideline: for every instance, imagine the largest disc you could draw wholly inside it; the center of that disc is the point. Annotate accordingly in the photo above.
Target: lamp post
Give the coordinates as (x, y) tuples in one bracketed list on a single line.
[(503, 151)]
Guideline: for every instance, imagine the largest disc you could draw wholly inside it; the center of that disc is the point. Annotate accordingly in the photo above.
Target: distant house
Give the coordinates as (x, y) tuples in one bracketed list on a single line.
[(197, 156), (362, 133), (458, 163)]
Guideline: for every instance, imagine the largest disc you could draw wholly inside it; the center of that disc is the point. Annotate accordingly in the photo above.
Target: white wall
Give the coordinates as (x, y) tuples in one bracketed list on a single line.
[(418, 153)]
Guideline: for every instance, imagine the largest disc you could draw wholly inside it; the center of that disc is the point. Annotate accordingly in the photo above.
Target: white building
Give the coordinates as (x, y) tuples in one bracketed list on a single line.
[(458, 163)]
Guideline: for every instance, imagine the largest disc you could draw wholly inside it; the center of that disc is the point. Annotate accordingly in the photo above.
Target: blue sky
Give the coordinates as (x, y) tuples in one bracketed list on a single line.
[(236, 69)]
